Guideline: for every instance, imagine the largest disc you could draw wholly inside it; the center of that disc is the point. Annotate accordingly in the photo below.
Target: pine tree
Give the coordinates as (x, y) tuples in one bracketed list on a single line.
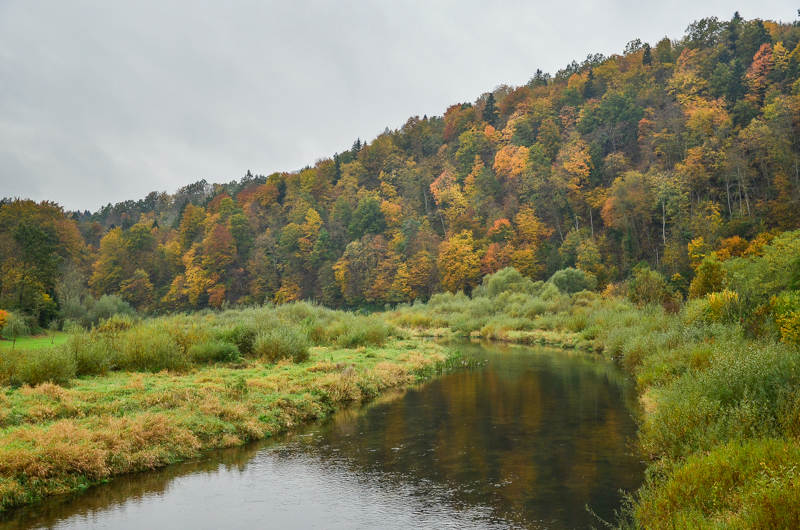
[(647, 56), (589, 89), (490, 112)]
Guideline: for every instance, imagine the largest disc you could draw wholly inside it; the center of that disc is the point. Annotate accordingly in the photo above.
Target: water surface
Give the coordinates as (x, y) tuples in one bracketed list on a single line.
[(526, 441)]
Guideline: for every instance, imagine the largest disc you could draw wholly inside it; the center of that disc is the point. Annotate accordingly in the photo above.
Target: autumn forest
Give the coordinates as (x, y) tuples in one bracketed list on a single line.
[(656, 156)]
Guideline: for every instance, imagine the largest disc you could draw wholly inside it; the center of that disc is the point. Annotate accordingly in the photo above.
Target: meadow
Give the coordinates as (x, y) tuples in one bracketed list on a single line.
[(131, 394)]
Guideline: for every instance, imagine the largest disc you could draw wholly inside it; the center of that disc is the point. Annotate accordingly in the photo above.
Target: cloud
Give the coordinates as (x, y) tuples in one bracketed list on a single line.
[(104, 101)]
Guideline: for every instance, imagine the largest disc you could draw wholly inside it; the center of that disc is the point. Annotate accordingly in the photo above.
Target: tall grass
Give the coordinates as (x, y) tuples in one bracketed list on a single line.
[(282, 342), (179, 342)]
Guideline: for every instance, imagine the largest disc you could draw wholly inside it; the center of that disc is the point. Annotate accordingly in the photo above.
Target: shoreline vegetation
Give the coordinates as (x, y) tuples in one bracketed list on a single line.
[(718, 377), (190, 384)]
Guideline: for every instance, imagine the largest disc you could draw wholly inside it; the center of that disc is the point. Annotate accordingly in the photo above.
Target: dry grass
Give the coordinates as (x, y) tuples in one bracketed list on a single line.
[(62, 439)]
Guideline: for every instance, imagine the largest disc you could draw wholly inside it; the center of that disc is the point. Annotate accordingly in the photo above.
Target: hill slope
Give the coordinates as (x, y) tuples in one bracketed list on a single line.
[(662, 154)]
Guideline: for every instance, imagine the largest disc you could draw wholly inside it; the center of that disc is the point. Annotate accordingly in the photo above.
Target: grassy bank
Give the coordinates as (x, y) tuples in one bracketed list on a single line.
[(721, 404), (139, 395)]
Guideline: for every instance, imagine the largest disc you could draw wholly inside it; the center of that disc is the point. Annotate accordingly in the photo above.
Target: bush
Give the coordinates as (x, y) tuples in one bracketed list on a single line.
[(569, 281), (214, 351), (108, 306), (534, 307), (710, 278), (696, 311), (506, 280), (45, 365), (282, 342), (724, 306), (414, 320), (786, 309), (762, 473), (354, 332), (92, 353), (647, 287), (150, 350), (77, 310), (550, 292), (15, 326), (242, 336)]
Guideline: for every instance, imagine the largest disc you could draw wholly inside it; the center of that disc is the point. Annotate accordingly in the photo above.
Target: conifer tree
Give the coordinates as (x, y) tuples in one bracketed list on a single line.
[(490, 112)]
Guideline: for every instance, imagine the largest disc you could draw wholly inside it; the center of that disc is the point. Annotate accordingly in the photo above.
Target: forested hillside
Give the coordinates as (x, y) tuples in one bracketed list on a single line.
[(669, 154)]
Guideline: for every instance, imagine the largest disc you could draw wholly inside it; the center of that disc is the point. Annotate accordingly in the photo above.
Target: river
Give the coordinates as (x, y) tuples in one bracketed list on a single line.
[(527, 440)]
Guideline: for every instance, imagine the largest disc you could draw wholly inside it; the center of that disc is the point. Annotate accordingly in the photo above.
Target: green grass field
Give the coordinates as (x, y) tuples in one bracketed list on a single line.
[(45, 340)]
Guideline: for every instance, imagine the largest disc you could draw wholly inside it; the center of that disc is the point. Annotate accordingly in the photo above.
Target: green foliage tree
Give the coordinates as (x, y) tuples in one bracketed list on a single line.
[(710, 278), (366, 219), (570, 281)]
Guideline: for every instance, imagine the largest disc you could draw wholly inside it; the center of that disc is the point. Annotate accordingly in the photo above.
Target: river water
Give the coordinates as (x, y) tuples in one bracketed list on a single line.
[(528, 440)]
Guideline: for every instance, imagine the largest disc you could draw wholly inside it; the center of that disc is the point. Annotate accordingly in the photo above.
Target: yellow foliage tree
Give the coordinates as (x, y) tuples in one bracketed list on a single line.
[(459, 263)]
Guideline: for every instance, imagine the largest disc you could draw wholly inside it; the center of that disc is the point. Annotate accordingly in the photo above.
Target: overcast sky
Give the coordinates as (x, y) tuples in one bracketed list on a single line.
[(106, 101)]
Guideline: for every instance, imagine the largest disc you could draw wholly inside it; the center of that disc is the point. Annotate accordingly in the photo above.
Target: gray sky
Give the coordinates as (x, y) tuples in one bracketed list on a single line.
[(106, 101)]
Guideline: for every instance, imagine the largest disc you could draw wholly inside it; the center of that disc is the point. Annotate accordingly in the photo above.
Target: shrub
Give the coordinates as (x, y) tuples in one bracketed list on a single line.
[(534, 307), (108, 306), (724, 306), (92, 353), (414, 320), (352, 332), (647, 287), (45, 365), (214, 351), (710, 278), (576, 323), (506, 280), (151, 350), (549, 292), (115, 325), (16, 326), (570, 281), (746, 485), (786, 309), (591, 332), (242, 336), (696, 311), (282, 342), (464, 324)]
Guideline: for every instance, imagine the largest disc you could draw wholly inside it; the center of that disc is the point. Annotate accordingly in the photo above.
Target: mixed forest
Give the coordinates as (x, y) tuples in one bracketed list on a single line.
[(663, 156)]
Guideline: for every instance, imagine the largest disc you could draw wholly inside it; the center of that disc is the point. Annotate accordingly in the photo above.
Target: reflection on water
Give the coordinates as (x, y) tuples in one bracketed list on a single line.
[(527, 441)]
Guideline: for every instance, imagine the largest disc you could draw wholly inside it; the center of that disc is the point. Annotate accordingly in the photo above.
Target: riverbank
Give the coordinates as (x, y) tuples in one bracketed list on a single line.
[(720, 405), (55, 439)]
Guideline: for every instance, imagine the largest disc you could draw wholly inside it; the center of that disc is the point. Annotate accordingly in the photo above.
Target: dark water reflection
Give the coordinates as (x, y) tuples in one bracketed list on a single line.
[(527, 441)]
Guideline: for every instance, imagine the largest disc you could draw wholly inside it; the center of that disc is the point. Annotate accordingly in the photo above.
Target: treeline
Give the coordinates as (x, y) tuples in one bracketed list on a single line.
[(666, 155)]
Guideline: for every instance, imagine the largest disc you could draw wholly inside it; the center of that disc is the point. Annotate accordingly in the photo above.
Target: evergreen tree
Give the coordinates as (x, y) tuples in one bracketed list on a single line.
[(647, 56), (736, 87), (589, 89), (490, 112)]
